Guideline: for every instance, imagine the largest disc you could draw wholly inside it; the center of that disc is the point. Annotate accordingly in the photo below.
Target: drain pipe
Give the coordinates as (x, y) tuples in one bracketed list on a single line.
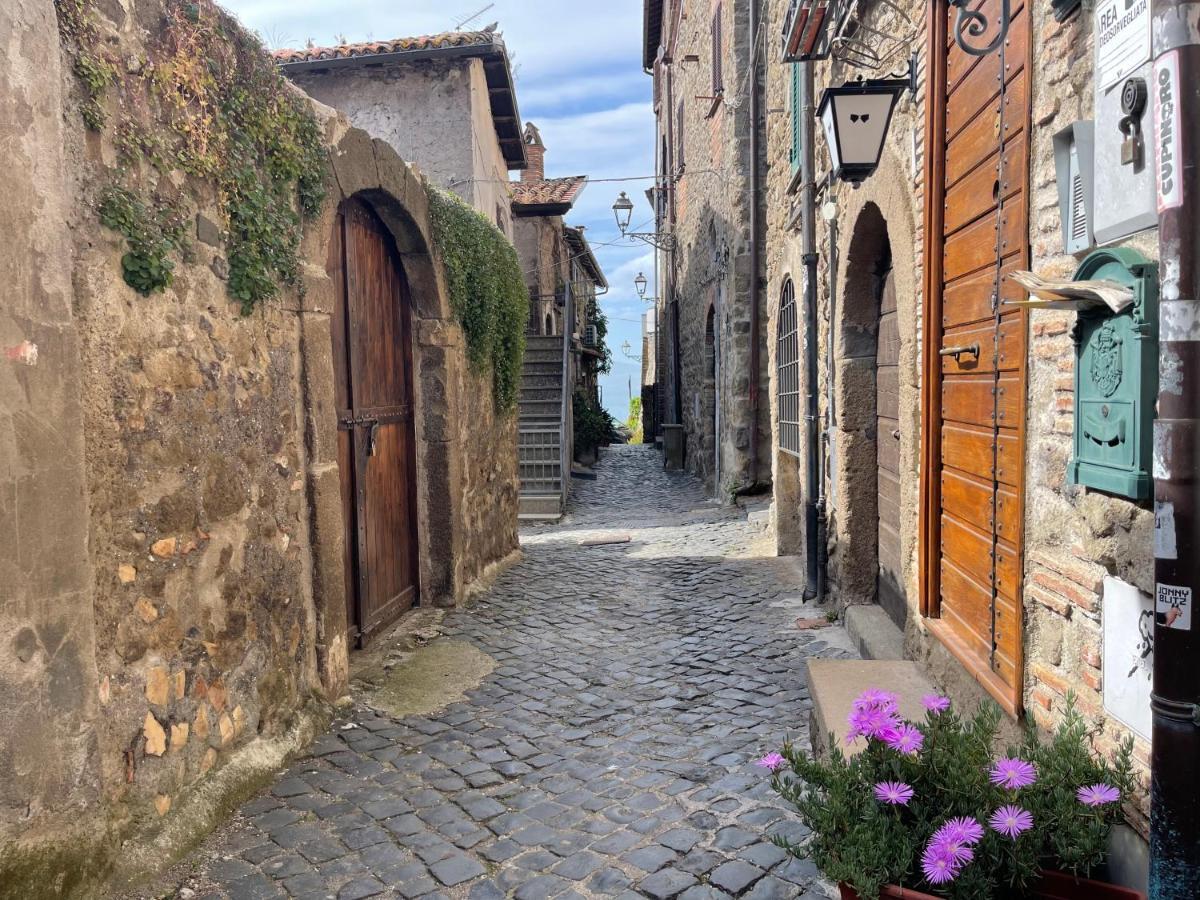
[(755, 243), (808, 248), (830, 422), (1175, 699)]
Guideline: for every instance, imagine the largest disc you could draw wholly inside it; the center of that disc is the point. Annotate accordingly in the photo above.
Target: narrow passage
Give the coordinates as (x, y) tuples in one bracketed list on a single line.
[(609, 753)]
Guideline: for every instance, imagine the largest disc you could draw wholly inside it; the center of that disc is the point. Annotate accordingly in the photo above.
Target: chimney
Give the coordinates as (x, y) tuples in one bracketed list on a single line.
[(535, 151)]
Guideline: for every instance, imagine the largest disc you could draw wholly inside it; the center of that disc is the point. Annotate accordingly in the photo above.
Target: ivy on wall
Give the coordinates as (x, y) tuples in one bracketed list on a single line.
[(487, 290), (206, 104)]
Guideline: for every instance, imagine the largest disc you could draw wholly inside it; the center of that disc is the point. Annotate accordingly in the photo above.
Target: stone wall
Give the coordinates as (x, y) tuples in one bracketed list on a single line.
[(544, 260), (1073, 537), (712, 263), (174, 619)]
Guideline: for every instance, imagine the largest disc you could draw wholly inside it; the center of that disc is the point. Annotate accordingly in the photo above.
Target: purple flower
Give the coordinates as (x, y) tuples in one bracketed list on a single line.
[(1098, 795), (1011, 772), (938, 864), (935, 704), (962, 831), (907, 739), (772, 761), (897, 793), (1011, 821), (877, 698), (871, 722)]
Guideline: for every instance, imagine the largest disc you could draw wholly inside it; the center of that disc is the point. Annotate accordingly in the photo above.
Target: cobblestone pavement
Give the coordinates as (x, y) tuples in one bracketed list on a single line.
[(610, 752)]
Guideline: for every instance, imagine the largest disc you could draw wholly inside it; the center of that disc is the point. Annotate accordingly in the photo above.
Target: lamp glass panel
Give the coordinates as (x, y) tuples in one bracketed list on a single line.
[(862, 121), (831, 141)]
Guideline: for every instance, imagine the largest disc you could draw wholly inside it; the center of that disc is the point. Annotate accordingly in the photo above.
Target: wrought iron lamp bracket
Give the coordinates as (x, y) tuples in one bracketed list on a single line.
[(971, 23), (660, 240)]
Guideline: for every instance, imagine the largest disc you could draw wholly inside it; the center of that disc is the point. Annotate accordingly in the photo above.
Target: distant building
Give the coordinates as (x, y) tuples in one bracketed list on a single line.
[(445, 102)]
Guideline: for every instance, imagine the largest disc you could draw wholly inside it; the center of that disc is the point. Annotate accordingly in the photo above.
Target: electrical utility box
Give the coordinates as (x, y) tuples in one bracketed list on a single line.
[(1116, 379)]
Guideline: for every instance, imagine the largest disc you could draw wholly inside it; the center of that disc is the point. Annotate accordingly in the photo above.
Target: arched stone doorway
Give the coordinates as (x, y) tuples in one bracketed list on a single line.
[(869, 429)]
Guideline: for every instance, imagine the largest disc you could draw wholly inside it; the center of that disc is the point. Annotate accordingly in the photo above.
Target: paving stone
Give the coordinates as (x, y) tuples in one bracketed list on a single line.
[(456, 869), (765, 856), (650, 859), (734, 876), (541, 888), (771, 888), (360, 888), (680, 839), (666, 883), (579, 865), (732, 838), (608, 881)]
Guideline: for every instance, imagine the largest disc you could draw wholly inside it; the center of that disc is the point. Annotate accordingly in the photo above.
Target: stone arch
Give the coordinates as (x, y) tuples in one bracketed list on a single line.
[(370, 170), (880, 213)]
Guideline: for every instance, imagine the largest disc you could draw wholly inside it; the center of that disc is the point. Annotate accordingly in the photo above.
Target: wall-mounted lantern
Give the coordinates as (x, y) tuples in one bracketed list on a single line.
[(855, 117), (623, 212), (640, 284), (972, 23)]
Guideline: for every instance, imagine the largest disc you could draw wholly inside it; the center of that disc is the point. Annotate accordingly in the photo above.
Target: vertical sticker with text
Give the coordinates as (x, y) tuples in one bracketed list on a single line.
[(1167, 132)]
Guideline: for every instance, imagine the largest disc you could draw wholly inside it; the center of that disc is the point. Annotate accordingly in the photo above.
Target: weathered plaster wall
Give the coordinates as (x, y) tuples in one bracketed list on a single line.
[(435, 113), (544, 259), (1073, 537), (713, 261), (51, 763)]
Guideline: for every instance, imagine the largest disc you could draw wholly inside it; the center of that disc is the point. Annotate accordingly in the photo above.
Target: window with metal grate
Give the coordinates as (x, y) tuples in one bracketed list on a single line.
[(787, 361)]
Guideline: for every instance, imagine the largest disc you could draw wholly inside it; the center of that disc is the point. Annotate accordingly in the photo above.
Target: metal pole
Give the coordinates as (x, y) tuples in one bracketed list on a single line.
[(1175, 701), (755, 247), (808, 248)]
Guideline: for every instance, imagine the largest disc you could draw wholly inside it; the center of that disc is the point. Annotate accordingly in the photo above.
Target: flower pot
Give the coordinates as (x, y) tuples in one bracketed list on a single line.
[(1052, 886)]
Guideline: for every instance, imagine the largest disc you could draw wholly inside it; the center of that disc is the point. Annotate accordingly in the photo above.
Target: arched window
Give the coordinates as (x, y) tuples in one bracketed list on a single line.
[(787, 360)]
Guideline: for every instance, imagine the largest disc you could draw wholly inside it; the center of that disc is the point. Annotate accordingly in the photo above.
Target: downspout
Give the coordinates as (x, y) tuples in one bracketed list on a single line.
[(755, 244), (830, 423), (808, 249), (1175, 699)]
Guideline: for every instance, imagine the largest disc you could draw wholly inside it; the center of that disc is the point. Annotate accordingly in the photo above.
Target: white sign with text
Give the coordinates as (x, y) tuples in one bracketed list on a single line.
[(1122, 40)]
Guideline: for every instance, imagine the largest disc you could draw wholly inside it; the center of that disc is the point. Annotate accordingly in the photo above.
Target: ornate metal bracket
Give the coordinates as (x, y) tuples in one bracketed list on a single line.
[(661, 240), (971, 23)]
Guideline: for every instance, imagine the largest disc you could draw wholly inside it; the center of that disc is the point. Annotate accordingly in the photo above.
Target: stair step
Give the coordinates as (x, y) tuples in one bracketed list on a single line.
[(547, 356), (540, 394), (541, 380), (540, 506), (547, 409)]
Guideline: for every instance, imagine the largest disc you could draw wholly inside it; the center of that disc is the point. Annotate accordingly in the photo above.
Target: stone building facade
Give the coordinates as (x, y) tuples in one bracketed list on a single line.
[(174, 621), (445, 102), (1073, 555), (712, 344)]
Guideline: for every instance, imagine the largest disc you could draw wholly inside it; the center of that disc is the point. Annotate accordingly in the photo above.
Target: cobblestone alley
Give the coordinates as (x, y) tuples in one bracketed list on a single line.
[(610, 751)]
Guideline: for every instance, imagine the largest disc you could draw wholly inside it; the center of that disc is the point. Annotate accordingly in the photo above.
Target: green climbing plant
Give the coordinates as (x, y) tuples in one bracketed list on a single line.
[(487, 291), (209, 103)]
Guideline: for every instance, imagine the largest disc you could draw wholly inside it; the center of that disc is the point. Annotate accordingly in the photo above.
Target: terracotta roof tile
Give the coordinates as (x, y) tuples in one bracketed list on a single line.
[(549, 192), (397, 45)]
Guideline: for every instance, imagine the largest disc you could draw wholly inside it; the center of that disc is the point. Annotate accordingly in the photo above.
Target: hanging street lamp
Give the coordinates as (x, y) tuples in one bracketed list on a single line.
[(640, 284), (972, 23), (855, 117), (623, 212)]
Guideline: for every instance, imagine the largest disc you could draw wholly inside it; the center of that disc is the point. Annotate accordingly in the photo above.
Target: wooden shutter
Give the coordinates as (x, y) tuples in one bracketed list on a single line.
[(973, 400)]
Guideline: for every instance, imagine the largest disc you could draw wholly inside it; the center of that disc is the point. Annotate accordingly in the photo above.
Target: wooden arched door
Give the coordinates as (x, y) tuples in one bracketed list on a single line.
[(372, 355), (889, 589)]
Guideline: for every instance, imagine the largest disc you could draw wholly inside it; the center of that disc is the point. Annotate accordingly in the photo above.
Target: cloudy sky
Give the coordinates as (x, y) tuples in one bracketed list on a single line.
[(579, 78)]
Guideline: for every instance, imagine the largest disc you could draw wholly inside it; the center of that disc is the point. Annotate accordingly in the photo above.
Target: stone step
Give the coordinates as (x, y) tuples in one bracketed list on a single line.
[(542, 367), (874, 633), (548, 355), (540, 507), (542, 380), (541, 395), (542, 409), (833, 685)]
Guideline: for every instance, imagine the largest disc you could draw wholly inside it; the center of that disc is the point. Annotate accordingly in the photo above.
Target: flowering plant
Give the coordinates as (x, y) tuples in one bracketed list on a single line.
[(929, 805)]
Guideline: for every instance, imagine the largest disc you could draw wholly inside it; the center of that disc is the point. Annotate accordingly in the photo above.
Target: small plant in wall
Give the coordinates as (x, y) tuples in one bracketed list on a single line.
[(930, 807), (206, 109), (487, 290)]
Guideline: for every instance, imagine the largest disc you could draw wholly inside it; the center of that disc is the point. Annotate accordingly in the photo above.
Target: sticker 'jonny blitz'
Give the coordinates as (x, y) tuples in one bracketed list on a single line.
[(1173, 607)]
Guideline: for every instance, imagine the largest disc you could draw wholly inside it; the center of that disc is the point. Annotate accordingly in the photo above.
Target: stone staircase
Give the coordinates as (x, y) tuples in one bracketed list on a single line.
[(540, 441)]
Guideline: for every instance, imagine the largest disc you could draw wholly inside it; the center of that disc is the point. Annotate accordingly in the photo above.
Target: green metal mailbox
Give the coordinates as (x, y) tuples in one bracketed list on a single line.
[(1116, 379)]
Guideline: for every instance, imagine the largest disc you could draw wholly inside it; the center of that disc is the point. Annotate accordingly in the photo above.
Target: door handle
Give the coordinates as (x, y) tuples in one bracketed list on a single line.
[(372, 432), (956, 352), (896, 433)]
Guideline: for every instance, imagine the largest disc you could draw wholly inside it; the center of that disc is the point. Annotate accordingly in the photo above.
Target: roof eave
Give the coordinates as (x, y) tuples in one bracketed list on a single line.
[(533, 210), (651, 32)]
